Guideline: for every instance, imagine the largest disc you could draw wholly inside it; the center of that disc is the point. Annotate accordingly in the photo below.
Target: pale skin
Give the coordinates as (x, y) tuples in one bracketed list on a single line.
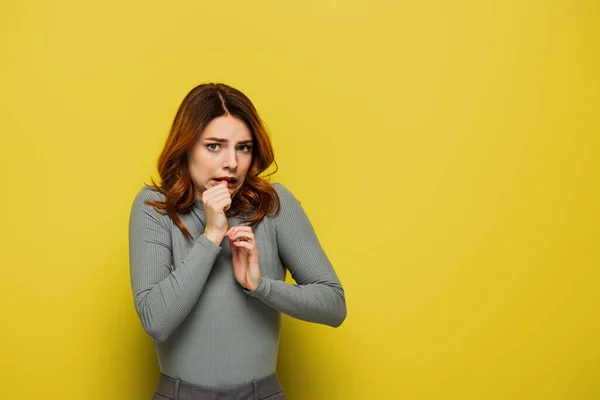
[(224, 149)]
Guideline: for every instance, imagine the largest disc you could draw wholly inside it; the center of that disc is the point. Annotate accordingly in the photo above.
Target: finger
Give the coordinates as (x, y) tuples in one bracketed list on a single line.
[(243, 244), (221, 182), (233, 248), (231, 244), (230, 233), (222, 189), (237, 228), (213, 198), (223, 202), (215, 187), (242, 235), (217, 195)]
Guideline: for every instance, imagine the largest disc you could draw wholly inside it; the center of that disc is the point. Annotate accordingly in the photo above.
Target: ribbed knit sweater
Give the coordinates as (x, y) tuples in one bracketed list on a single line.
[(207, 328)]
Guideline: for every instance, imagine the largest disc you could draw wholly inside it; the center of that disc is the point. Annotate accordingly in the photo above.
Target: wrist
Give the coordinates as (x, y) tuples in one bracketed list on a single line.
[(253, 285), (216, 237)]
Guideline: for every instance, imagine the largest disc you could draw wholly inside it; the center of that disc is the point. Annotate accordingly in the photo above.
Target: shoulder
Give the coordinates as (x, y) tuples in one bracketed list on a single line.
[(284, 193), (139, 208), (290, 207), (147, 193)]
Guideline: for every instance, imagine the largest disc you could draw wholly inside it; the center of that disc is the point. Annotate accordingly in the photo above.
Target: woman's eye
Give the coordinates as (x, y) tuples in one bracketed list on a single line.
[(244, 148)]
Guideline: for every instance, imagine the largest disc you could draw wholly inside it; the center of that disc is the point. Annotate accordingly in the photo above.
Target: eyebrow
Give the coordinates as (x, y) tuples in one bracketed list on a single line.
[(225, 140)]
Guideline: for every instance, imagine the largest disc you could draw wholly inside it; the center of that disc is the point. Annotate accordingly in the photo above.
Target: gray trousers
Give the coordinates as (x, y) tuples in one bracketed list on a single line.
[(267, 388)]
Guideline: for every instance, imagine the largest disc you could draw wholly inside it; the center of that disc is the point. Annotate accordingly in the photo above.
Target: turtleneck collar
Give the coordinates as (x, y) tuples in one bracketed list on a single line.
[(199, 205)]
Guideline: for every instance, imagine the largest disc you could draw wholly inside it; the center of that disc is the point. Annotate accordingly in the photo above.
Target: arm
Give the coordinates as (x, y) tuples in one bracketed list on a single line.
[(318, 295), (163, 296)]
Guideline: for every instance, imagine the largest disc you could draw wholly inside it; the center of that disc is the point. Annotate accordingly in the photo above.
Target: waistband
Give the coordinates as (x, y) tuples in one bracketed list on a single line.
[(177, 389)]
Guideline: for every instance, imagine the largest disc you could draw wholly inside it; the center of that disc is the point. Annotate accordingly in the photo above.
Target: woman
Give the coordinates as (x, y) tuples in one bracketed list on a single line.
[(209, 249)]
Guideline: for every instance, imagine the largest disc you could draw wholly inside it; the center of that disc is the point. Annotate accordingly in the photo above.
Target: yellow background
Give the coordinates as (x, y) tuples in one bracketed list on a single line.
[(447, 154)]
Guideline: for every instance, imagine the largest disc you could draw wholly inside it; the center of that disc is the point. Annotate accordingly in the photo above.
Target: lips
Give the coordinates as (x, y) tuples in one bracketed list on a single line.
[(225, 178)]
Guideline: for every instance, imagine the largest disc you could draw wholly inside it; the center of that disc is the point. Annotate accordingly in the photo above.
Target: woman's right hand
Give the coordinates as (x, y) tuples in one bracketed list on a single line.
[(216, 201)]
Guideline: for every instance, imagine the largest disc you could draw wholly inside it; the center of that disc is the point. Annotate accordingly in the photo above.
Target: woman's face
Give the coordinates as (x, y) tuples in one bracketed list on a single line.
[(224, 149)]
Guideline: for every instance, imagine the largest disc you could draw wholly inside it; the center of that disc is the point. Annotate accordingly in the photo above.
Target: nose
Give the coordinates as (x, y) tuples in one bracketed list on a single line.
[(230, 160)]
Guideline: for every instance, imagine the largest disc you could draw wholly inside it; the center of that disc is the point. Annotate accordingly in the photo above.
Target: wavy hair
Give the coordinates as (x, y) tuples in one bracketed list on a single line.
[(202, 104)]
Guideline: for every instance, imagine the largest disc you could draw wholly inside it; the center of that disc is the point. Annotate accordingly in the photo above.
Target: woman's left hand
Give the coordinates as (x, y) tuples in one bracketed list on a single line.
[(245, 256)]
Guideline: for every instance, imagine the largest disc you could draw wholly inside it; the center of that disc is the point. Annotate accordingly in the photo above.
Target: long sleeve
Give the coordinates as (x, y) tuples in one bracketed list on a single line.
[(163, 295), (318, 295)]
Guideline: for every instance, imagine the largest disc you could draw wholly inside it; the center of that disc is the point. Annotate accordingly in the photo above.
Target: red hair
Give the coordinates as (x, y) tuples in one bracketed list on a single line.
[(201, 105)]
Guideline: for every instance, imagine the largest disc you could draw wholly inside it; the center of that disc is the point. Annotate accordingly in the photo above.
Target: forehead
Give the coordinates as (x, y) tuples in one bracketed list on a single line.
[(226, 127)]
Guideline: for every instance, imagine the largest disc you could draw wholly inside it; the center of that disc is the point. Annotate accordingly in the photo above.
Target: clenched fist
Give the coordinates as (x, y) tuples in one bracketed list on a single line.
[(216, 201)]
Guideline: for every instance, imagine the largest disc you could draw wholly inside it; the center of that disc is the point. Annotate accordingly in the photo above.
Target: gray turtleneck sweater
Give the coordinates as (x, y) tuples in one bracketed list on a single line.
[(207, 328)]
